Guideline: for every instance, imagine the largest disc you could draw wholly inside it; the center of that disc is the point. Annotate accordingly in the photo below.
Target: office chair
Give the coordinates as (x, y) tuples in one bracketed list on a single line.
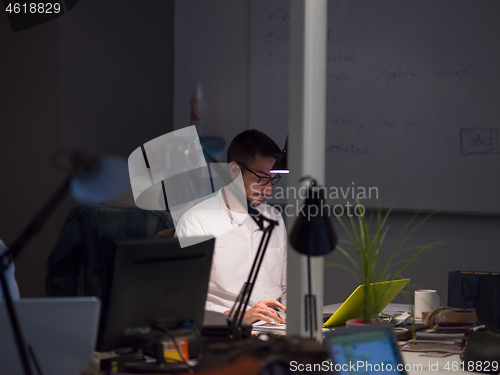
[(81, 260)]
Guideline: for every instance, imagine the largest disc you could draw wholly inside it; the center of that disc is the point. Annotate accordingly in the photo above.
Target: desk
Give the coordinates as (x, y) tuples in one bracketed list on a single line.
[(417, 365)]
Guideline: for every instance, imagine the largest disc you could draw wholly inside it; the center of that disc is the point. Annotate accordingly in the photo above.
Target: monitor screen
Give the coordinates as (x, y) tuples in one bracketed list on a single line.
[(364, 350), (158, 290)]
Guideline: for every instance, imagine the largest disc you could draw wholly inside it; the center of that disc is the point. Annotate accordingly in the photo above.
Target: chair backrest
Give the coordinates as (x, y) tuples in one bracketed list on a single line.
[(80, 262)]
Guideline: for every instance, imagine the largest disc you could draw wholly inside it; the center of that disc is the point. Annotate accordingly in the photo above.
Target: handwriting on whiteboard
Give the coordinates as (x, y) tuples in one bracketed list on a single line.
[(475, 141), (350, 148), (377, 121)]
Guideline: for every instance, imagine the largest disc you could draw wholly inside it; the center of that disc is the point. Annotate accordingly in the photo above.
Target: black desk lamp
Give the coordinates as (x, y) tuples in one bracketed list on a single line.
[(313, 235), (90, 180), (22, 16)]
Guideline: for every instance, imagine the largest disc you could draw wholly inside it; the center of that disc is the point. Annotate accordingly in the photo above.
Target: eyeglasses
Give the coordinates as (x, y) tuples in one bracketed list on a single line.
[(264, 180)]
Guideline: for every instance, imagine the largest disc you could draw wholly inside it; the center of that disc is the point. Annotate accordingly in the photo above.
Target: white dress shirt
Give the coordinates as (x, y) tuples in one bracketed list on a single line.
[(237, 239)]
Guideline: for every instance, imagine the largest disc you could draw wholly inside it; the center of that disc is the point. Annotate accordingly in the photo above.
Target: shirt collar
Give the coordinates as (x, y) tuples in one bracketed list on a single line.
[(219, 201)]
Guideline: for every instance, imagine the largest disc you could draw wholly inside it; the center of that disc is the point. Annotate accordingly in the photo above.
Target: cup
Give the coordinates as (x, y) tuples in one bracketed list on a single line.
[(426, 300)]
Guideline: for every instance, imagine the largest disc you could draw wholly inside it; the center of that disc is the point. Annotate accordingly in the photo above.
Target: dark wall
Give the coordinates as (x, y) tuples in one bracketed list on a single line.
[(116, 74), (212, 46), (29, 135), (99, 79)]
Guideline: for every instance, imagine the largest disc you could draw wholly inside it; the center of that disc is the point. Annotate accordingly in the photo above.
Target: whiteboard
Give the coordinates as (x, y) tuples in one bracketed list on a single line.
[(413, 99)]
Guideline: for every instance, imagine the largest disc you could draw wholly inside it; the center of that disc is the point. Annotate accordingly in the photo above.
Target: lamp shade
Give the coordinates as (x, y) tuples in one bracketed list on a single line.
[(105, 179), (25, 17), (281, 165), (313, 232)]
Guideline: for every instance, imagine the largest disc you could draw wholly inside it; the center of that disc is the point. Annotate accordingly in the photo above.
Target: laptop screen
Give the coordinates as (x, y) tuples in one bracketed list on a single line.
[(364, 350), (60, 331), (384, 292)]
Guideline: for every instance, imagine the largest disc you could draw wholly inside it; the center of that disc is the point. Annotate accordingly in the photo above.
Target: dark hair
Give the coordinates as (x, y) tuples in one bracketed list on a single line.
[(246, 145)]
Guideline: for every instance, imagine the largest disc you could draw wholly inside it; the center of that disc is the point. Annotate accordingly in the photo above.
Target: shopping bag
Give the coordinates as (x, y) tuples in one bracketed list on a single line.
[(467, 289)]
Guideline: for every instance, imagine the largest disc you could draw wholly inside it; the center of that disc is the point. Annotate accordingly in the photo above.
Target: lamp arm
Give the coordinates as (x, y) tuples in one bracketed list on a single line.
[(8, 257), (236, 320), (37, 222), (258, 260), (14, 322)]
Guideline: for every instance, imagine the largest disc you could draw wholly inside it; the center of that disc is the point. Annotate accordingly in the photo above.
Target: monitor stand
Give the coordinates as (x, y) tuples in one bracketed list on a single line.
[(160, 366)]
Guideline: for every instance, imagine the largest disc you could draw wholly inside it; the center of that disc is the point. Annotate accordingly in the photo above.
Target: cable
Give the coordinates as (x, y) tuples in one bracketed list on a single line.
[(385, 318), (196, 331), (200, 340)]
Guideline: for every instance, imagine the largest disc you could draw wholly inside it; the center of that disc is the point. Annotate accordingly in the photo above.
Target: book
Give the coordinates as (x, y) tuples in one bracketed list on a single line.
[(434, 345), (439, 336)]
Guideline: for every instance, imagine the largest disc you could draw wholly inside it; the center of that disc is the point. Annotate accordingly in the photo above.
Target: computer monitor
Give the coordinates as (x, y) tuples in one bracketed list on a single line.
[(367, 349), (158, 291)]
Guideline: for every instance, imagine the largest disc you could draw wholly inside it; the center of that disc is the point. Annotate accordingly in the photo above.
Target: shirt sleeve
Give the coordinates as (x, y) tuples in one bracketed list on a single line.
[(214, 307), (187, 228), (190, 226)]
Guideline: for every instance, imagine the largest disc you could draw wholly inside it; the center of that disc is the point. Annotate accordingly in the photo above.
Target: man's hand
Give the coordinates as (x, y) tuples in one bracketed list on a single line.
[(263, 310)]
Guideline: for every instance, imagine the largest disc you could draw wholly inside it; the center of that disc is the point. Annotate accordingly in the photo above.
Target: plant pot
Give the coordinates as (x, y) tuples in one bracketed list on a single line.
[(359, 322)]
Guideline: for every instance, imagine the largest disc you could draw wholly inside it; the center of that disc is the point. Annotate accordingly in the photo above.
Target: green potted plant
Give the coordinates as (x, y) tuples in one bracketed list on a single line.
[(368, 264)]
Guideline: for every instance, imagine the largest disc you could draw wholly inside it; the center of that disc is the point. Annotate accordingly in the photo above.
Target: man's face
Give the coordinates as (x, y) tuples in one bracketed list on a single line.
[(261, 166)]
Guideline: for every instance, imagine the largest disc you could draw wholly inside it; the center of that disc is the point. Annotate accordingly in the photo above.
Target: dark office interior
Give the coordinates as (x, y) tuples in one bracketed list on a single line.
[(112, 75)]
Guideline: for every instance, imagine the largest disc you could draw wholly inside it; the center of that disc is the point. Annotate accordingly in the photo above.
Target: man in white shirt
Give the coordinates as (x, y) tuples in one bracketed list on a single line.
[(253, 154)]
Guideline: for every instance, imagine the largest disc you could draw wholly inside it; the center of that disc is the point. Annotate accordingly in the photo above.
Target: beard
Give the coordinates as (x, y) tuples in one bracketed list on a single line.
[(254, 199)]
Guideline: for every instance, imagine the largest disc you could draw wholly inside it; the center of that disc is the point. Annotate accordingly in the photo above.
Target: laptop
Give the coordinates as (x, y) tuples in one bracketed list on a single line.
[(61, 331), (353, 306), (370, 349)]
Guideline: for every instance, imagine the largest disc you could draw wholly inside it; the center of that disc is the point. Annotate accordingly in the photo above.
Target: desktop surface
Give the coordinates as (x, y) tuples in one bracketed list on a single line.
[(417, 364)]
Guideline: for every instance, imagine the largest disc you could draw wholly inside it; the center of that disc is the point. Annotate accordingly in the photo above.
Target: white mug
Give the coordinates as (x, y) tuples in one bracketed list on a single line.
[(426, 300)]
